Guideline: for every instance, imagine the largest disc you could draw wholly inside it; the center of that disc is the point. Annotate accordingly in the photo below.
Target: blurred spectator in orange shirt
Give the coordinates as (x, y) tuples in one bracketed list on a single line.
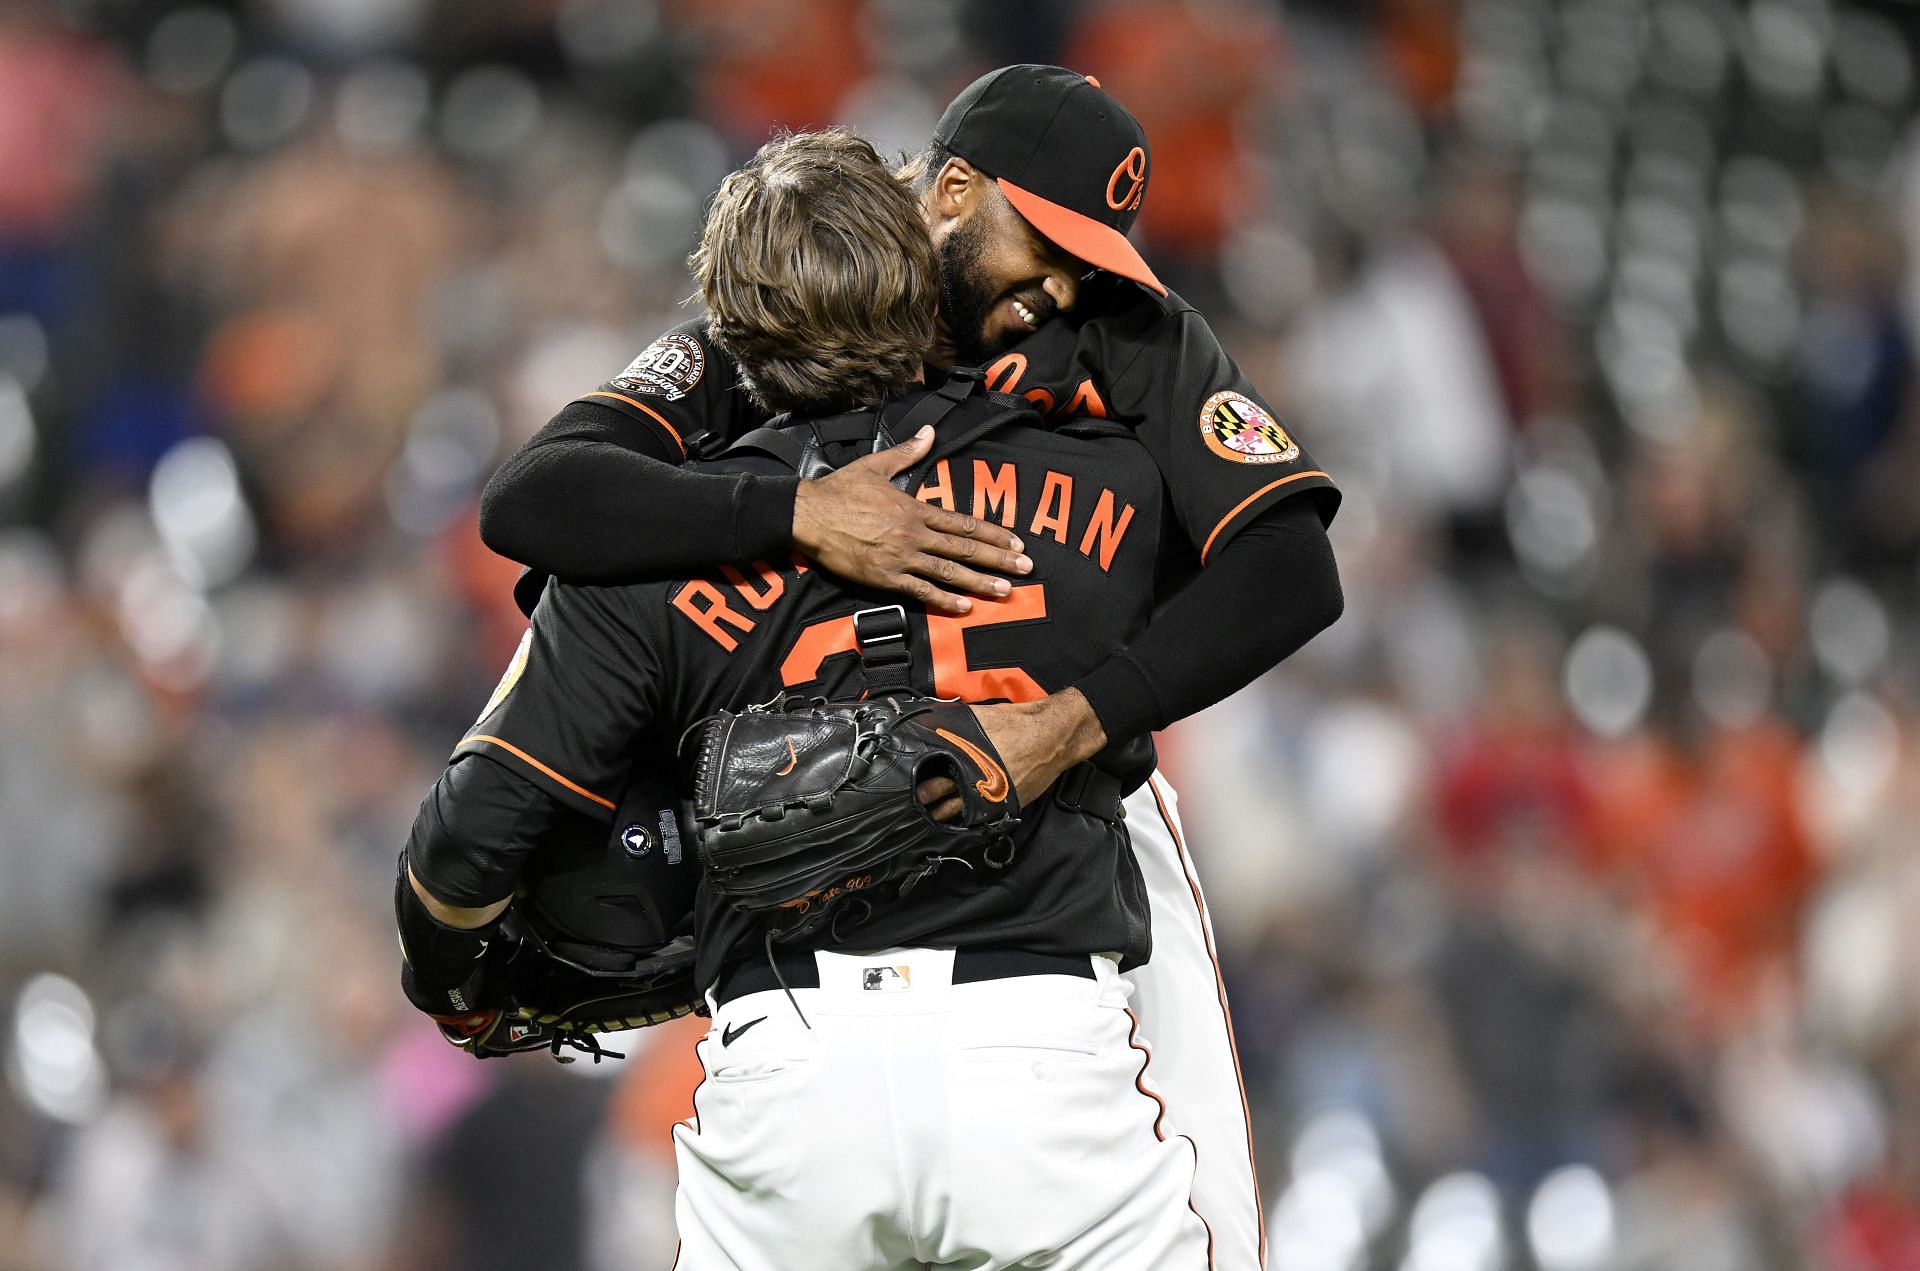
[(1194, 74), (1420, 41), (1713, 846), (768, 63)]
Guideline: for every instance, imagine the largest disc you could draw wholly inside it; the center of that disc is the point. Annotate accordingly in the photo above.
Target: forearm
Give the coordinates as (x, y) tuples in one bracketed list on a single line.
[(1272, 588), (578, 504), (468, 844)]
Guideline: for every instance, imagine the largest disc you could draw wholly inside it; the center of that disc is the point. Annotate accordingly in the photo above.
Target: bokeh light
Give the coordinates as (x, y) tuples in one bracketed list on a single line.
[(1570, 1220), (1456, 1226), (52, 1063), (19, 437), (200, 513), (266, 101), (23, 350), (1608, 681)]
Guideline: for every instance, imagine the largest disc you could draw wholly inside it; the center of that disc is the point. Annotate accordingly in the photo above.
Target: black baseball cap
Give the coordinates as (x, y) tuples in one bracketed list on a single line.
[(1069, 158)]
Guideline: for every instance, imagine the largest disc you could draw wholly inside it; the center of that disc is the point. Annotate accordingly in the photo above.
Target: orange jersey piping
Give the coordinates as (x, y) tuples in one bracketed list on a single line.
[(656, 416), (531, 762), (1243, 504)]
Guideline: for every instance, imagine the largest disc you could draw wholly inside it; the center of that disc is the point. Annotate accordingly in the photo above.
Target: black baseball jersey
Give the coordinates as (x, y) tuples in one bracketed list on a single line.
[(606, 669), (1125, 354)]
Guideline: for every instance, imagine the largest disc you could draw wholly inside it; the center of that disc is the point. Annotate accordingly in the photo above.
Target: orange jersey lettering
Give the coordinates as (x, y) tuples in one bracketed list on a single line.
[(771, 586), (996, 493), (939, 490), (1004, 375), (1104, 532), (1086, 401), (703, 605), (1056, 500)]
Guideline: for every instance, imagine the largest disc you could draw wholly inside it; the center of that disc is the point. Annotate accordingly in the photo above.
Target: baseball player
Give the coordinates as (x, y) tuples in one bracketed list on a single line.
[(1033, 178), (952, 1077)]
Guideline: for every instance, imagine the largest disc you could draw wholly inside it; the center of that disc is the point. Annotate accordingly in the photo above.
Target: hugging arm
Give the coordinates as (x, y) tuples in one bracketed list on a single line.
[(1266, 592), (595, 498), (603, 494)]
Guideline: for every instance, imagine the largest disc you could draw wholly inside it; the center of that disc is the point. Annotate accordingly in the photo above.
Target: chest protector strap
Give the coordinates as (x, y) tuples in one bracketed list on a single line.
[(886, 663), (812, 448)]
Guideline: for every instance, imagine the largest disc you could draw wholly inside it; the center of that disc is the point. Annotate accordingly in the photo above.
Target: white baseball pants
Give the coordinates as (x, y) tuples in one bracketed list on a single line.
[(1182, 1004), (924, 1124)]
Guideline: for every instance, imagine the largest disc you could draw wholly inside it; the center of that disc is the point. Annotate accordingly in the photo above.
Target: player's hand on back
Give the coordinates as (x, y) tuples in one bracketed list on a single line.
[(855, 524), (1036, 741)]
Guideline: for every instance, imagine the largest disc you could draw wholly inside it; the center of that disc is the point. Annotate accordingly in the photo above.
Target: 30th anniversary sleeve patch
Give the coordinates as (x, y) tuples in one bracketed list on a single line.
[(1238, 428), (669, 368)]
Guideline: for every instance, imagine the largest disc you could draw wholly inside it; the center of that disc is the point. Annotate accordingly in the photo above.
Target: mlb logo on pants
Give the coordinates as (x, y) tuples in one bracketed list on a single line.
[(886, 979)]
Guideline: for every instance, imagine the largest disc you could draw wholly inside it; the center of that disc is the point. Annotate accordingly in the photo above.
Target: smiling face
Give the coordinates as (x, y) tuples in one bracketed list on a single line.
[(999, 279)]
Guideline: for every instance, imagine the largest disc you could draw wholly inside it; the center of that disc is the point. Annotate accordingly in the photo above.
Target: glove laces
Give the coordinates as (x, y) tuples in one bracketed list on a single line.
[(773, 964), (585, 1043)]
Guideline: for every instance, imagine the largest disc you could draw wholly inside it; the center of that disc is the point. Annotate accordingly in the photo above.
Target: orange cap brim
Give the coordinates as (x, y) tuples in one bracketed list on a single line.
[(1101, 246)]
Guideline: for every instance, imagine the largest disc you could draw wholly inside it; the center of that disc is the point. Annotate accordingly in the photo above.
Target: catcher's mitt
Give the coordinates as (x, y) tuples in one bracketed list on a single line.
[(550, 1005), (805, 809), (555, 1005)]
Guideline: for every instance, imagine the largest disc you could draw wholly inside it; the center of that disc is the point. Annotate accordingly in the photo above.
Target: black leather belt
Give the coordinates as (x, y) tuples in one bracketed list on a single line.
[(970, 966)]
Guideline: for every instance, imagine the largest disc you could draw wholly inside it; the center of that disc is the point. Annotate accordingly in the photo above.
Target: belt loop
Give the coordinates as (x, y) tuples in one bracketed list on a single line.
[(1071, 788)]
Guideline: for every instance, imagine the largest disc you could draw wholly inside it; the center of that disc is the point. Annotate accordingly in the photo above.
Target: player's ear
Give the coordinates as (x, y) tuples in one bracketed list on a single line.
[(957, 188)]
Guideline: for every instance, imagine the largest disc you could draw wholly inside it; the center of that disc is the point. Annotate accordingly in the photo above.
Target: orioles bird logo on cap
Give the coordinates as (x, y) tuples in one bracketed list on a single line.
[(1133, 167)]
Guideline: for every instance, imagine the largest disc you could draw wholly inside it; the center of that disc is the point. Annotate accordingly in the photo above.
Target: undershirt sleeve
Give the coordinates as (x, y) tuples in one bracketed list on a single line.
[(593, 499), (1180, 665)]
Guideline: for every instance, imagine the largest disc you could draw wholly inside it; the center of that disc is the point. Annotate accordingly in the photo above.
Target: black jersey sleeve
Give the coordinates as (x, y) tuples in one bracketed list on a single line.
[(597, 495), (1223, 451), (585, 682), (1270, 589), (579, 503), (477, 826), (684, 390)]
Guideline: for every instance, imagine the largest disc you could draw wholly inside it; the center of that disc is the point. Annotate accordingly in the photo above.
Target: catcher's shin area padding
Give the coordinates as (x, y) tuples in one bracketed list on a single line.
[(799, 809)]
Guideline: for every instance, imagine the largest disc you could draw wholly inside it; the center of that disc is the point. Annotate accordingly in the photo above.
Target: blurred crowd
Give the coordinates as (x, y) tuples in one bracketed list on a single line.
[(1563, 888)]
